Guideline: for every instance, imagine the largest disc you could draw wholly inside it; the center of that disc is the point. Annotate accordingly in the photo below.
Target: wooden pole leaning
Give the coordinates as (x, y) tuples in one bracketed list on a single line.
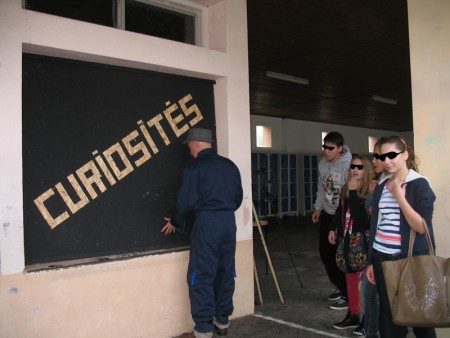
[(255, 271), (266, 250)]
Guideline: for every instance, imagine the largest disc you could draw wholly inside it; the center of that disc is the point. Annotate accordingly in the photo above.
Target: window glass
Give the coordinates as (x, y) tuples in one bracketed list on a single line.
[(152, 20), (263, 136), (372, 141), (101, 12), (324, 133), (167, 21)]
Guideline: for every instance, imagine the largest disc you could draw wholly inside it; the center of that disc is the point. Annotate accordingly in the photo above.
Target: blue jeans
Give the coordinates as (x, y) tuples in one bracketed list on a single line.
[(386, 326), (369, 303)]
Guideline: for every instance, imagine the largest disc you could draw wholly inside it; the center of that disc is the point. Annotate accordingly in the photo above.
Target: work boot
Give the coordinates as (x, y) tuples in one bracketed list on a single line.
[(221, 332), (221, 329), (196, 334)]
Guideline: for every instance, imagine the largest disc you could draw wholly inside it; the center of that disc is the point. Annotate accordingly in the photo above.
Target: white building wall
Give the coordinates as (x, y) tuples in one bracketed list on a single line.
[(429, 31), (145, 297)]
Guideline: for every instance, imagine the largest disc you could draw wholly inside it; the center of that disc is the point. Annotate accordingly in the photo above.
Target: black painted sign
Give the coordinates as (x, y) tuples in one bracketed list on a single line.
[(103, 156)]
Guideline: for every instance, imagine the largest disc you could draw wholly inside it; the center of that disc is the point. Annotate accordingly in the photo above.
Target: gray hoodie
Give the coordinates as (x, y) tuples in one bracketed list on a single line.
[(332, 177)]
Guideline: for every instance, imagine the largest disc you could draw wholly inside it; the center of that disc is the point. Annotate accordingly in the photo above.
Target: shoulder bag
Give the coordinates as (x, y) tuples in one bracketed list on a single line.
[(351, 251), (418, 287)]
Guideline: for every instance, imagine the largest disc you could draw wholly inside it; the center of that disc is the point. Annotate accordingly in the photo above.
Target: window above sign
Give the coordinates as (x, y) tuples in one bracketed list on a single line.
[(172, 20)]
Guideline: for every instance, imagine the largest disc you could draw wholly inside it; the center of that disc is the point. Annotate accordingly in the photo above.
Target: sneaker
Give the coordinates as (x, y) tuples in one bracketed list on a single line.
[(350, 322), (359, 331), (341, 304), (335, 295)]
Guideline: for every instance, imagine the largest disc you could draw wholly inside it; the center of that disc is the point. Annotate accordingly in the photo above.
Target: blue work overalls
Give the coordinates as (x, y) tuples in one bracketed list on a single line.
[(212, 189)]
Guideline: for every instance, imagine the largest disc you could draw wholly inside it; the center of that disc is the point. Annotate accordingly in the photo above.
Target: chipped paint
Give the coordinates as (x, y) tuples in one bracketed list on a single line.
[(13, 291), (5, 228)]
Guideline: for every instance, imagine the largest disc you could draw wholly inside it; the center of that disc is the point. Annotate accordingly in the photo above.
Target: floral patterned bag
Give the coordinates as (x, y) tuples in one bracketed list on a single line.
[(351, 253)]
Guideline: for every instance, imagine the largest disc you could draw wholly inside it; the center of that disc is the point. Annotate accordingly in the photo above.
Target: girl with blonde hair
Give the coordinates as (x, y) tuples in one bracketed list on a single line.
[(349, 227)]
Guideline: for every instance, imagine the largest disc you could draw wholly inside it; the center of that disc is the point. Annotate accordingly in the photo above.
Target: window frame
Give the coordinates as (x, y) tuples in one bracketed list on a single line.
[(186, 7)]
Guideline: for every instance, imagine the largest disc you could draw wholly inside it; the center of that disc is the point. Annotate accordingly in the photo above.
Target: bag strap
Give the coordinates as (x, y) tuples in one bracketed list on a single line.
[(412, 238)]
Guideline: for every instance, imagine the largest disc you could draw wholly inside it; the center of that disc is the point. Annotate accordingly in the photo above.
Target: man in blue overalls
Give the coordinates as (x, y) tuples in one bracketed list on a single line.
[(212, 189)]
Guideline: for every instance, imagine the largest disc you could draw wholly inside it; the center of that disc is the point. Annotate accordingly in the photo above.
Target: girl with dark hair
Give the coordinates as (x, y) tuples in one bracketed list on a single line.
[(401, 202)]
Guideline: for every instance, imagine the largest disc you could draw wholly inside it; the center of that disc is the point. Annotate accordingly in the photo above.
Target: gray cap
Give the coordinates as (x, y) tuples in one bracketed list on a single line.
[(199, 134)]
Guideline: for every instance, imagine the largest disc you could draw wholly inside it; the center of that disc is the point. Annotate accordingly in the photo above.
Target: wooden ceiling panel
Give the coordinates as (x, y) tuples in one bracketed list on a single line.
[(349, 50)]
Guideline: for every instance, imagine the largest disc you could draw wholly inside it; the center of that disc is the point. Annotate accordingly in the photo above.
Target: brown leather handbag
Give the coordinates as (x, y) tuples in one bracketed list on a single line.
[(418, 288)]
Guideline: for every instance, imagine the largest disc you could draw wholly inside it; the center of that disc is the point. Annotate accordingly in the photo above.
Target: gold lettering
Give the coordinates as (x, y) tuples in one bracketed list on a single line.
[(155, 122), (188, 111), (138, 147), (116, 148), (147, 136), (52, 222), (91, 173), (73, 207), (174, 121), (95, 178), (109, 176)]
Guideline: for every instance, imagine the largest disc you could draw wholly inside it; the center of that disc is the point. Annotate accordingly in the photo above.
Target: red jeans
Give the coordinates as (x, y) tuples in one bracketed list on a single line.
[(353, 292)]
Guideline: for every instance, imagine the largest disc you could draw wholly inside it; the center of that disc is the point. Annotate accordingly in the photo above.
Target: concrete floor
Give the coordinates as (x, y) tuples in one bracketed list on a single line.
[(293, 246)]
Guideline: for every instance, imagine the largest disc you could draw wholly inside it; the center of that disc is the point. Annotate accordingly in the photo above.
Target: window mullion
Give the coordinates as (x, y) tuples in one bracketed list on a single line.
[(120, 14)]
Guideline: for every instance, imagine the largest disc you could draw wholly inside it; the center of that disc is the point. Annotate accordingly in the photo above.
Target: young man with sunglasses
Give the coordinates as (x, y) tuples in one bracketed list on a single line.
[(333, 173)]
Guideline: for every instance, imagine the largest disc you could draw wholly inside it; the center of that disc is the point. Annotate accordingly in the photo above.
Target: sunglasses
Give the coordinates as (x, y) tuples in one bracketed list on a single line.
[(390, 155), (376, 156), (358, 166), (327, 148)]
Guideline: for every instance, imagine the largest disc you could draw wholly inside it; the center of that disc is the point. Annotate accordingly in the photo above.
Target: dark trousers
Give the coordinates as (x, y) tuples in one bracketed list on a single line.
[(211, 270), (328, 253), (387, 328)]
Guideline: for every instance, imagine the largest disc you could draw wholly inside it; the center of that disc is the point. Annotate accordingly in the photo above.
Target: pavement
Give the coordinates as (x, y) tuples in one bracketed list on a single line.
[(293, 246), (294, 250)]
